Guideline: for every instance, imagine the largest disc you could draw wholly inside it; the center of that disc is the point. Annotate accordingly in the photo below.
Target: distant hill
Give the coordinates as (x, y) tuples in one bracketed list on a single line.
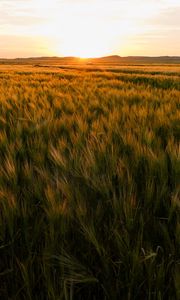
[(113, 59), (140, 59)]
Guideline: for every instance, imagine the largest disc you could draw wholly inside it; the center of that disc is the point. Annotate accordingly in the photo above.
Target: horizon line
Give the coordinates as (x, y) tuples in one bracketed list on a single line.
[(84, 58)]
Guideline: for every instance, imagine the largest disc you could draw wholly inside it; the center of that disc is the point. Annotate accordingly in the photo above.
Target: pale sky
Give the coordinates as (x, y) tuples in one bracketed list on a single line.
[(89, 28)]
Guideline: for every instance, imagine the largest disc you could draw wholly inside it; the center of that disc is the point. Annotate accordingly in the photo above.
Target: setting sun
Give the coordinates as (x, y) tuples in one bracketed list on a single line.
[(88, 34), (84, 45), (85, 42)]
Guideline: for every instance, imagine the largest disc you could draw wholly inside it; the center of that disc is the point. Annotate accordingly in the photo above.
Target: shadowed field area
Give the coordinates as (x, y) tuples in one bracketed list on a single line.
[(89, 173)]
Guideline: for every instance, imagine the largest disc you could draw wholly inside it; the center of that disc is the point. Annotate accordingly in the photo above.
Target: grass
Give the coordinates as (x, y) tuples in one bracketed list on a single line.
[(89, 173)]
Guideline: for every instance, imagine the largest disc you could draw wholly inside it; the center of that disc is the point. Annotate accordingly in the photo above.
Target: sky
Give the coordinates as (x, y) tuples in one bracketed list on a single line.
[(89, 28)]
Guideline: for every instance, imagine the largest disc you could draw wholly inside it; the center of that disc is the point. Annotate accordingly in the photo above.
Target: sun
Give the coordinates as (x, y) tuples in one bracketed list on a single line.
[(86, 37), (84, 45), (85, 48)]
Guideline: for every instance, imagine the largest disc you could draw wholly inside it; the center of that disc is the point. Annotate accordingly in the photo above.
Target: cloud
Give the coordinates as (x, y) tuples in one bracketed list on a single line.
[(168, 18), (32, 46)]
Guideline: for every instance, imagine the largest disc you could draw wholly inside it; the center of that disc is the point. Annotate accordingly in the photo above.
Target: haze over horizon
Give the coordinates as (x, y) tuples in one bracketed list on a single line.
[(89, 28)]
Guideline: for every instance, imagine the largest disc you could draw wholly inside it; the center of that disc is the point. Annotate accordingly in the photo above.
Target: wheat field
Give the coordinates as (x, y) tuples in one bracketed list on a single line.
[(89, 173)]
